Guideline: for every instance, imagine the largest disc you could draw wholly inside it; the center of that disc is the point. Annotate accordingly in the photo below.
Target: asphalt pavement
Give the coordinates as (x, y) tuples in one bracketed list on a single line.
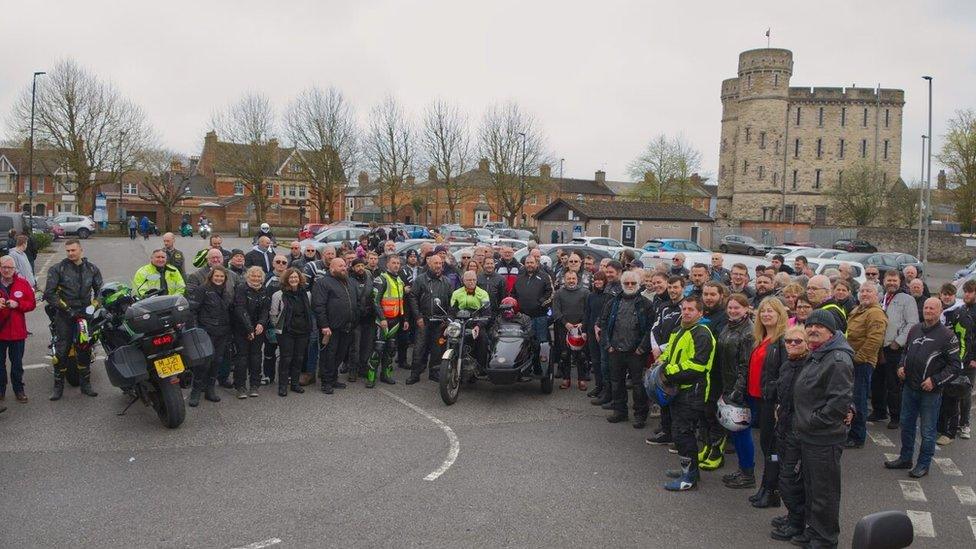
[(511, 468)]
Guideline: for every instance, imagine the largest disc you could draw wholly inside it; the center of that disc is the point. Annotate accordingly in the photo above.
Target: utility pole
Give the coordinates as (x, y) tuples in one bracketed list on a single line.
[(560, 187), (921, 199), (928, 182), (522, 181), (119, 174), (30, 154)]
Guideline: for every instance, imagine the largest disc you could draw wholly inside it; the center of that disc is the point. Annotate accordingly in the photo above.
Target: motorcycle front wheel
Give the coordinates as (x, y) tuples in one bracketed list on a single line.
[(450, 380), (168, 403), (548, 381), (72, 375)]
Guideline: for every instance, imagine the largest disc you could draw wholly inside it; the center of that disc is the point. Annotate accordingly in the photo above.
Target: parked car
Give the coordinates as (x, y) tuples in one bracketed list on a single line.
[(552, 251), (599, 242), (310, 230), (785, 250), (493, 225), (853, 245), (411, 244), (75, 224), (811, 253), (459, 235), (672, 245), (349, 223), (415, 231), (517, 234), (804, 244), (857, 269), (965, 271), (333, 236), (482, 235), (511, 242), (739, 244), (885, 261)]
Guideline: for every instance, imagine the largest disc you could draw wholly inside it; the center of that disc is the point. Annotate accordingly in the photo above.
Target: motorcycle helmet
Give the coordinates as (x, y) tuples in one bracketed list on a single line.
[(576, 338), (509, 308), (265, 227), (655, 386), (734, 417), (115, 296)]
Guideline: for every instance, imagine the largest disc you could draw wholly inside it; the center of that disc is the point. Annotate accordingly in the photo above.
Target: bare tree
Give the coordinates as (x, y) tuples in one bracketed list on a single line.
[(161, 184), (857, 195), (322, 125), (901, 205), (446, 143), (390, 152), (87, 121), (959, 156), (663, 171), (253, 156), (513, 146)]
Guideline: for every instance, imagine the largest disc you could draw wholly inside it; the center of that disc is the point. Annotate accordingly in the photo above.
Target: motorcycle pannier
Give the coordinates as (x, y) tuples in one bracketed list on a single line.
[(126, 366), (197, 347), (158, 313)]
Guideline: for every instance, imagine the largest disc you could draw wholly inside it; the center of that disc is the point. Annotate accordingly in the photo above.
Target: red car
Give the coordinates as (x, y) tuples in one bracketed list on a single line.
[(310, 230)]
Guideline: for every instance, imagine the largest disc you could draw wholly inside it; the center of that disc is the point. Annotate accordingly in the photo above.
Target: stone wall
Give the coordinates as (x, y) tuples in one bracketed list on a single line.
[(943, 247)]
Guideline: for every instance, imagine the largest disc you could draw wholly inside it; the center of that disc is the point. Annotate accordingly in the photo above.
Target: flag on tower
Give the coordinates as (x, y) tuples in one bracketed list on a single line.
[(767, 32)]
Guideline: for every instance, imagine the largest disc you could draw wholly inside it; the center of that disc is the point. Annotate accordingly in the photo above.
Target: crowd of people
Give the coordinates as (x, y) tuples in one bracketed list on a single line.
[(807, 360)]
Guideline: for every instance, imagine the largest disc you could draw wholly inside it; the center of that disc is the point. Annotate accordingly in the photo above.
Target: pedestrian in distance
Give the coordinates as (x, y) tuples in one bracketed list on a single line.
[(211, 303), (16, 300), (133, 227), (21, 260), (291, 316)]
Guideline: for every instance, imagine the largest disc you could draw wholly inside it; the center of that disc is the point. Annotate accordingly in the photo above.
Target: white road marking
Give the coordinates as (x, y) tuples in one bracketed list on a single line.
[(912, 490), (947, 466), (261, 544), (881, 440), (965, 494), (36, 366), (922, 523), (452, 454), (972, 525)]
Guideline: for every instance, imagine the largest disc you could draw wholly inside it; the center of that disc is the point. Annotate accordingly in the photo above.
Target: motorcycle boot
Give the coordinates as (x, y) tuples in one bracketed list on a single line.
[(713, 456), (58, 390), (688, 479), (372, 369), (86, 387), (195, 395), (386, 376), (211, 392)]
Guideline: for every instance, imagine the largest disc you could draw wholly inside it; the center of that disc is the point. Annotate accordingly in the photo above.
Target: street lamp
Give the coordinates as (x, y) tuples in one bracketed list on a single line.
[(30, 153), (119, 170), (921, 198), (928, 181), (522, 179)]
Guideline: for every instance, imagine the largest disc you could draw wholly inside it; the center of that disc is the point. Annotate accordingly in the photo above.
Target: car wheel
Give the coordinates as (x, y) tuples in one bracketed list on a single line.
[(83, 233), (751, 251), (723, 248)]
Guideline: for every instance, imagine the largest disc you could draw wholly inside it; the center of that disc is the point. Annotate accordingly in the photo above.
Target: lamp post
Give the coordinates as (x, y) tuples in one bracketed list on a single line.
[(118, 169), (928, 182), (522, 179), (30, 152), (921, 198)]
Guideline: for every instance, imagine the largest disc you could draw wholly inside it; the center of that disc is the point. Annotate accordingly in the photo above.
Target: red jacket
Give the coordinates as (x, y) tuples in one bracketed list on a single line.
[(13, 322)]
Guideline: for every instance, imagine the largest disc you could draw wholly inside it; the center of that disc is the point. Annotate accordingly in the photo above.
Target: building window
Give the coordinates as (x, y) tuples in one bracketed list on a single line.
[(271, 190), (775, 79), (457, 216), (864, 148), (820, 117), (302, 192), (761, 172), (840, 177), (130, 188), (886, 149), (7, 184), (884, 178), (749, 82), (748, 134), (796, 148), (820, 215), (238, 188), (795, 176), (887, 116), (864, 121), (762, 140), (843, 116), (290, 190), (775, 177), (798, 116), (777, 146), (819, 147), (6, 206), (840, 149), (745, 167), (350, 205), (816, 179), (725, 144), (534, 200), (789, 213)]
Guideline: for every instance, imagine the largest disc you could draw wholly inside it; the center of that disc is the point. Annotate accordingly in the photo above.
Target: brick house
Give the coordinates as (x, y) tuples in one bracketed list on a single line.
[(53, 186)]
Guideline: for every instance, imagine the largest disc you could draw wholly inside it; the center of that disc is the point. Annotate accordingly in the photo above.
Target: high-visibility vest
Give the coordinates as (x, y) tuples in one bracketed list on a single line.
[(392, 300)]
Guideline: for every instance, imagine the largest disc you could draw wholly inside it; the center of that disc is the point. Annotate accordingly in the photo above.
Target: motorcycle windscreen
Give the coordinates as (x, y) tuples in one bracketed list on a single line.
[(510, 352)]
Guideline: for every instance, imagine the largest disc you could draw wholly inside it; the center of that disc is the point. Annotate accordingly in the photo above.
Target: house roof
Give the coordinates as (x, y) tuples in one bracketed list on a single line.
[(479, 178), (46, 161), (224, 150), (622, 209)]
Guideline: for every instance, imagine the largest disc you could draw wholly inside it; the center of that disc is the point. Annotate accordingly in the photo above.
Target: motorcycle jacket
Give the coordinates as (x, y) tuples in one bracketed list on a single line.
[(424, 291), (734, 347), (71, 288), (175, 258), (251, 307), (689, 357), (388, 297), (171, 278)]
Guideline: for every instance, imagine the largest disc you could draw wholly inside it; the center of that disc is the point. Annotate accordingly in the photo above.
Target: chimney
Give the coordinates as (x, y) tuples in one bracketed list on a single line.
[(176, 166), (431, 174), (483, 165), (273, 143), (696, 179), (544, 171), (941, 185), (601, 176), (363, 179), (209, 156), (410, 181)]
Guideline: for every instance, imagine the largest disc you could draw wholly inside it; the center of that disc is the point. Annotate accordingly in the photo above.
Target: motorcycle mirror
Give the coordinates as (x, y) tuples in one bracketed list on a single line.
[(90, 309), (437, 301)]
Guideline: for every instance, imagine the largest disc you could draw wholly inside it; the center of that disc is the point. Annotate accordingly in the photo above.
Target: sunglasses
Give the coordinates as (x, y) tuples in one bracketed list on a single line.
[(630, 284), (281, 262), (675, 259), (792, 341)]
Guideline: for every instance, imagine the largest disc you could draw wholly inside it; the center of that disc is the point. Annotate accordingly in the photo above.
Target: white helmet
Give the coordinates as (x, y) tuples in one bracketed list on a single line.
[(734, 417), (265, 227)]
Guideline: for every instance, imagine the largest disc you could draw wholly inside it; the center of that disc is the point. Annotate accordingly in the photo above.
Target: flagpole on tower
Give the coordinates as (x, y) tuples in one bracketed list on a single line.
[(767, 37)]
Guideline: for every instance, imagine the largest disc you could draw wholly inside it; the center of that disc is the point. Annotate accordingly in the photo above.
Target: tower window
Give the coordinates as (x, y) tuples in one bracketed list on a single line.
[(886, 149), (775, 178), (775, 79), (816, 179), (884, 179), (864, 148), (749, 82), (798, 116), (789, 213), (745, 167), (840, 177), (761, 172), (887, 116), (820, 215), (796, 148), (843, 116), (820, 117), (777, 146), (762, 140), (840, 149), (748, 134), (795, 175), (819, 147), (864, 122)]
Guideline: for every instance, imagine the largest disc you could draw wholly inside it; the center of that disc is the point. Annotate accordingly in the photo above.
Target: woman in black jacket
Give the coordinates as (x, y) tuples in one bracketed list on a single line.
[(733, 349), (211, 304), (791, 525), (251, 305), (594, 308), (291, 320)]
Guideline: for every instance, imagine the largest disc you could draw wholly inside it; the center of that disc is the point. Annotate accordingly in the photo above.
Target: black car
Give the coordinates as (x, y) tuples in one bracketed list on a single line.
[(884, 261), (853, 245)]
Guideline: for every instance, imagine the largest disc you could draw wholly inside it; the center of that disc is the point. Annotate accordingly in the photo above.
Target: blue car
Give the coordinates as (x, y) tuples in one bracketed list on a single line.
[(416, 231), (672, 245)]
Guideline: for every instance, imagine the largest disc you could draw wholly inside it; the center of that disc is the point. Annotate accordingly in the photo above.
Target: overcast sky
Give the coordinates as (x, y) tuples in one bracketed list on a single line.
[(601, 78)]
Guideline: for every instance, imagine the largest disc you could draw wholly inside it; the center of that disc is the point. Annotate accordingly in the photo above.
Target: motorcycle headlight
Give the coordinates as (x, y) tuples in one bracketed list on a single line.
[(453, 329)]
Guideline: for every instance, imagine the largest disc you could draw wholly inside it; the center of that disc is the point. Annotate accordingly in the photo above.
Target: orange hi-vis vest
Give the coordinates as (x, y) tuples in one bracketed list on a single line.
[(392, 300)]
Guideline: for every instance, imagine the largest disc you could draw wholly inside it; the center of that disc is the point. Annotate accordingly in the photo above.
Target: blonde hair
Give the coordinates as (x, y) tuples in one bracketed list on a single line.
[(759, 332), (794, 289)]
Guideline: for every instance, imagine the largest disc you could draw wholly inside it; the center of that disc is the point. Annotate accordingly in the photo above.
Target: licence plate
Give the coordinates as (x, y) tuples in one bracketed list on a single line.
[(169, 366)]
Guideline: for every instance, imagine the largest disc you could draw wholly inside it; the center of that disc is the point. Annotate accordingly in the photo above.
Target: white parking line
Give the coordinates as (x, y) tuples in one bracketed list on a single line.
[(965, 494), (261, 544), (881, 440), (912, 490), (972, 525), (922, 523), (947, 466), (452, 454)]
